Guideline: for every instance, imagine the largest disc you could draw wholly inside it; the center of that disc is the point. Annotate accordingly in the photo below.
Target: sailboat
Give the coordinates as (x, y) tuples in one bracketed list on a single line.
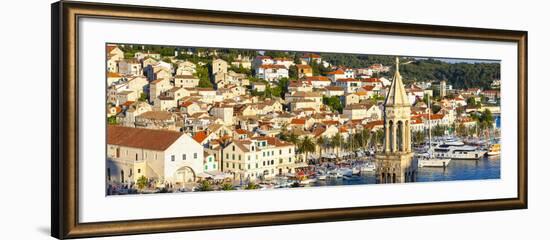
[(428, 159)]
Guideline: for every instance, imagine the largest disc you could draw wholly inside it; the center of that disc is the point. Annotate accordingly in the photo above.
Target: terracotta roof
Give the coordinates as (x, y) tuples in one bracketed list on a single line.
[(302, 66), (110, 48), (113, 75), (330, 122), (298, 121), (311, 55), (158, 140), (368, 88), (334, 88), (339, 71), (372, 80), (186, 104), (273, 66), (185, 76), (318, 131), (318, 78), (241, 131), (373, 124), (348, 80), (200, 136)]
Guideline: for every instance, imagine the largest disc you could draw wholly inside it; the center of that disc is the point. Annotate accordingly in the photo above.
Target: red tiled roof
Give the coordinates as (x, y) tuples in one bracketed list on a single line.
[(347, 80), (298, 121), (318, 78), (339, 71), (158, 140), (368, 88), (241, 131), (372, 80), (200, 136), (273, 66)]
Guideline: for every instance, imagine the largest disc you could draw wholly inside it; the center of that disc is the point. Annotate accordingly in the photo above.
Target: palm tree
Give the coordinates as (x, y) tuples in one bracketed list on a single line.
[(293, 139), (365, 137), (337, 143), (306, 146), (320, 141)]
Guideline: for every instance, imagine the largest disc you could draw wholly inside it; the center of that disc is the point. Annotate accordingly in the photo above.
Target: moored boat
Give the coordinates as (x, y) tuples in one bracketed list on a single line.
[(494, 150)]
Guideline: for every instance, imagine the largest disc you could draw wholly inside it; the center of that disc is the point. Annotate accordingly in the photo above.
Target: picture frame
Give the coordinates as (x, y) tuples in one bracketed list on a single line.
[(65, 138)]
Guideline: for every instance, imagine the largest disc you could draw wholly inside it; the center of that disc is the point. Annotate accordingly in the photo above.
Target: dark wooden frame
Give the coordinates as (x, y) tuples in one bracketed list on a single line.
[(64, 156)]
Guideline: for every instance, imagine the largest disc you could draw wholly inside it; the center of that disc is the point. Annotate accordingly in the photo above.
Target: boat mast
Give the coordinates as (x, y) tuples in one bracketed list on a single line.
[(429, 128)]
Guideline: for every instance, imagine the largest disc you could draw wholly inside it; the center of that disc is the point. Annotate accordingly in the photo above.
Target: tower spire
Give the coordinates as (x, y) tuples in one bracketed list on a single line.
[(397, 96), (396, 64)]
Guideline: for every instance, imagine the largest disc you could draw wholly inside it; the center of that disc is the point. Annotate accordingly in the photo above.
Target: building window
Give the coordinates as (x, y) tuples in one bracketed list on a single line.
[(272, 162), (248, 157), (195, 155), (173, 158), (109, 174), (136, 156), (289, 159), (227, 155), (205, 167), (280, 151), (139, 170), (183, 157), (233, 148), (227, 165), (280, 161), (233, 156), (210, 159), (214, 166), (256, 165), (233, 165), (239, 157), (249, 166)]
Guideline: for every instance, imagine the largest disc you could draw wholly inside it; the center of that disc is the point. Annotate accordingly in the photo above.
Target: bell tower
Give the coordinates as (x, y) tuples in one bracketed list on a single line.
[(395, 164)]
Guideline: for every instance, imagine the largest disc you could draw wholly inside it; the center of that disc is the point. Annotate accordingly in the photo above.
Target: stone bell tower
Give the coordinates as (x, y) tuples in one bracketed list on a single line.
[(396, 163)]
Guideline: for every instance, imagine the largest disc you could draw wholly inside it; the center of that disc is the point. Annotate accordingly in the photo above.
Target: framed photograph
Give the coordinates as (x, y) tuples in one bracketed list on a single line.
[(168, 119)]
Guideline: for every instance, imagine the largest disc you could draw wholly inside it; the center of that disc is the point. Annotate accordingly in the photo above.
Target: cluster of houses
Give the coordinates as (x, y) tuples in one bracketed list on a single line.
[(163, 126)]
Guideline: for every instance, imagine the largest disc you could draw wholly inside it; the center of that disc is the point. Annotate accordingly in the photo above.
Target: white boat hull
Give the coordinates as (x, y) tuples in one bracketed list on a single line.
[(434, 162)]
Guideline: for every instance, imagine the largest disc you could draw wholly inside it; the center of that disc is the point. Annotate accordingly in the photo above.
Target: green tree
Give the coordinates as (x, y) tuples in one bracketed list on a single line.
[(337, 143), (252, 186), (205, 186), (334, 103), (142, 182), (143, 97), (227, 187), (204, 77), (112, 120), (293, 72), (306, 146)]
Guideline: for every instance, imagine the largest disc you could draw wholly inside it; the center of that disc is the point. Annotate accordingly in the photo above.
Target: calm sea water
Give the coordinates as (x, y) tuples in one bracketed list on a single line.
[(486, 168)]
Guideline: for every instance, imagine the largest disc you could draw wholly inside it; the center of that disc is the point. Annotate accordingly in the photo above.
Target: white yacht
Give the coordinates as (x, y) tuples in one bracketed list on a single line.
[(428, 160), (458, 152), (368, 167)]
